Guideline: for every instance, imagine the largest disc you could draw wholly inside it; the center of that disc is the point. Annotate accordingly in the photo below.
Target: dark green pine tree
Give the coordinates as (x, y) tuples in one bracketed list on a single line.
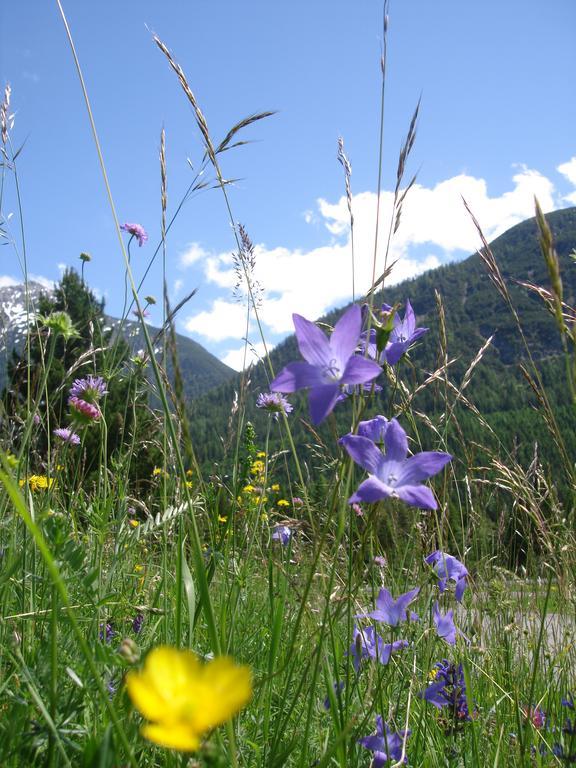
[(94, 349)]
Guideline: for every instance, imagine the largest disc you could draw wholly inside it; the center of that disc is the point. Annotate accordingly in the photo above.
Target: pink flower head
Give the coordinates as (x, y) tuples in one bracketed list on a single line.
[(83, 411), (136, 230)]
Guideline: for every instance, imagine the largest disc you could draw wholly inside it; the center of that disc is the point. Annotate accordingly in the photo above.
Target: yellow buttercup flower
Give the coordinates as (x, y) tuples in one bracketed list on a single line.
[(275, 487), (184, 698), (37, 482), (283, 503), (133, 523)]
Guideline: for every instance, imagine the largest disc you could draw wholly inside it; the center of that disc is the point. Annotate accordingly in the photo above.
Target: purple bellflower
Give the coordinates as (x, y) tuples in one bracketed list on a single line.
[(448, 568), (392, 611), (337, 687), (135, 230), (283, 534), (386, 745), (403, 335), (366, 644), (330, 363), (393, 474), (445, 626)]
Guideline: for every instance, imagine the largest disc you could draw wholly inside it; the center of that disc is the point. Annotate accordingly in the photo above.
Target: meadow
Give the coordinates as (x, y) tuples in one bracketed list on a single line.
[(159, 610)]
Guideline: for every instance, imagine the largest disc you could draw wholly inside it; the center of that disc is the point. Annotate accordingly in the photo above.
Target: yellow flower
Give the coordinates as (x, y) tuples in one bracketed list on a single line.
[(261, 455), (275, 487), (133, 523), (159, 472), (222, 519), (248, 489), (138, 568), (37, 482), (189, 473), (264, 516), (189, 484), (283, 503), (183, 698)]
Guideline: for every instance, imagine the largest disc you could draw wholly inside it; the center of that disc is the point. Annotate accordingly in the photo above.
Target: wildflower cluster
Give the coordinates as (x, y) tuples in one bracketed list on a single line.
[(37, 482), (447, 690)]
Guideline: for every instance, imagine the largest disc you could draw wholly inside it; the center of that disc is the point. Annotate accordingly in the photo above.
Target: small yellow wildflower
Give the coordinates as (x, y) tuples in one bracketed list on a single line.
[(275, 487), (222, 519), (133, 523), (264, 517), (189, 473), (159, 472), (184, 698), (189, 484), (248, 489), (37, 482), (261, 455), (283, 503), (138, 568), (257, 467), (433, 674)]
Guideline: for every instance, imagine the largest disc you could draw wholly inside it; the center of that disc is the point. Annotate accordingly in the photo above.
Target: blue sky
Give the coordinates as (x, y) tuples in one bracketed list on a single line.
[(496, 125)]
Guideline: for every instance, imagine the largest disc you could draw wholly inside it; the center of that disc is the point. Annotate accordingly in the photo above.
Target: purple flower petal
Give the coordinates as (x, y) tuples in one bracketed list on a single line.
[(370, 490), (422, 466), (395, 442), (297, 376), (417, 495), (373, 429), (360, 370), (363, 452), (312, 342), (322, 400), (346, 333)]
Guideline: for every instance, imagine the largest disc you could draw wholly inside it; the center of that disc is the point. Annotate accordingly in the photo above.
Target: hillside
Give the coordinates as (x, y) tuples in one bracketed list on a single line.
[(474, 311), (201, 371)]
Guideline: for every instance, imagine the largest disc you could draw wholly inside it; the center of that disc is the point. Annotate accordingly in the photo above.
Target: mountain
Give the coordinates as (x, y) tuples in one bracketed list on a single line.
[(201, 371), (474, 311)]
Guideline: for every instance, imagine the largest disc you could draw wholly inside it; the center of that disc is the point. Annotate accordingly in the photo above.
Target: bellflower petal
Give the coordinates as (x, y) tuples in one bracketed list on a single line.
[(370, 491), (322, 400), (363, 452), (417, 496), (423, 465), (395, 442), (344, 339), (312, 342), (359, 370), (297, 376), (373, 429)]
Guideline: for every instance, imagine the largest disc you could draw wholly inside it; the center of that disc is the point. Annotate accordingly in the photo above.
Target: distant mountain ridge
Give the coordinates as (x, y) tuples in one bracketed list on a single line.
[(201, 371)]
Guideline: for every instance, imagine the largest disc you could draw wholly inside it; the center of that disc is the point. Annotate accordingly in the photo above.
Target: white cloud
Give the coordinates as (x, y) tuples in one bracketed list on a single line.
[(193, 253), (569, 171), (6, 281), (178, 286), (225, 320), (434, 228), (235, 357)]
